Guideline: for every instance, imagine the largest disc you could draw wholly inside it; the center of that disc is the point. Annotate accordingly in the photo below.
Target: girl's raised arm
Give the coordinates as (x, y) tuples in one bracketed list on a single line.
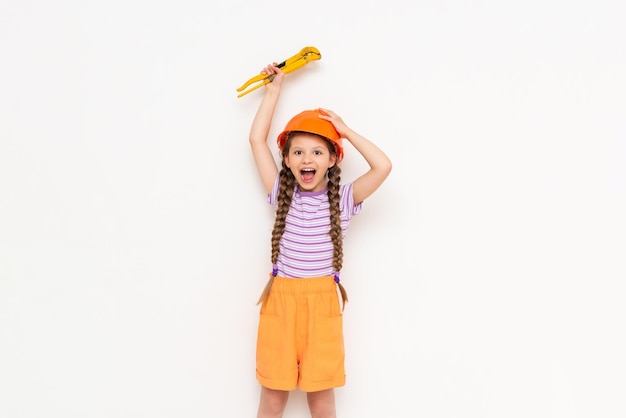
[(261, 126)]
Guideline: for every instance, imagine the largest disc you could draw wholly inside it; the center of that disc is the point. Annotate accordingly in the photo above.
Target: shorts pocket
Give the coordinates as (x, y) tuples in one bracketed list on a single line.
[(328, 348), (269, 332), (268, 343)]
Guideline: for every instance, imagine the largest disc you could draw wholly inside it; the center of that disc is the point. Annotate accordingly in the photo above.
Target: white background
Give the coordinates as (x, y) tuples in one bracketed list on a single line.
[(134, 234)]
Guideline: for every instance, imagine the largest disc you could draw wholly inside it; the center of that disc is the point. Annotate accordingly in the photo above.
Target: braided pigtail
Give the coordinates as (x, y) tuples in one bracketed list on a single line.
[(285, 193), (334, 177)]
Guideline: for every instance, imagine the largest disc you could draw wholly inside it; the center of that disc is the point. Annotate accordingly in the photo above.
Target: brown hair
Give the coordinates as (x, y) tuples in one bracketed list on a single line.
[(285, 194)]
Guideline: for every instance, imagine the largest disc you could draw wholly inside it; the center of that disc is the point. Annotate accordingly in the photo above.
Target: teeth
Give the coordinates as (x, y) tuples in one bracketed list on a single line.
[(308, 169)]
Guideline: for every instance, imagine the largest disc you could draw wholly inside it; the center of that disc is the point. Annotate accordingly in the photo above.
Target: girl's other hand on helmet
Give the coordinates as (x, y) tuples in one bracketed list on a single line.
[(277, 76), (338, 123)]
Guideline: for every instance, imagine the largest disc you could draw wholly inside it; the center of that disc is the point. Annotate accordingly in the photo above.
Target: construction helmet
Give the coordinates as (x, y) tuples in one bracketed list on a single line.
[(309, 121)]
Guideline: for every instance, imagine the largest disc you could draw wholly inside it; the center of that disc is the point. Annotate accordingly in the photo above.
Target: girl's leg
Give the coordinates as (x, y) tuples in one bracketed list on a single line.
[(272, 403), (322, 404)]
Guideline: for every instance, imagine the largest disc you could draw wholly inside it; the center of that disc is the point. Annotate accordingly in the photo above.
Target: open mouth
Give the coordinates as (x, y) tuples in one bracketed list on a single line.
[(307, 174)]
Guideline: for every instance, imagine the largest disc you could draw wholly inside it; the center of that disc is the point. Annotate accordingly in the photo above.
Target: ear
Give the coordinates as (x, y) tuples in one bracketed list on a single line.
[(286, 158), (333, 160)]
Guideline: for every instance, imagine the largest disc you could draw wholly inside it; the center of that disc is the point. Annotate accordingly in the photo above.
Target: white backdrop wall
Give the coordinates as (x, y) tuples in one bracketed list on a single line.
[(134, 234)]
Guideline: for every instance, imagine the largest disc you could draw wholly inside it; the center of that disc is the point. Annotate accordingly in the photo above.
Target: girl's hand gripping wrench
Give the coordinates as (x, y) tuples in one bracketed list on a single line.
[(306, 54)]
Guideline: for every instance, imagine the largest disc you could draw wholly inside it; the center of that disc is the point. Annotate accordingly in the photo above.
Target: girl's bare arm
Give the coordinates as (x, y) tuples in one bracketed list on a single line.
[(261, 124)]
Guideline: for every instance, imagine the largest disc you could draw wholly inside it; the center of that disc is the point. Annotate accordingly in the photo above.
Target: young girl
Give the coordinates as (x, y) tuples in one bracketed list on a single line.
[(300, 337)]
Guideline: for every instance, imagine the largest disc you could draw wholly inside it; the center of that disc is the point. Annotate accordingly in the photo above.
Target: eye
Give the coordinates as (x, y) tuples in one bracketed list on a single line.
[(318, 152), (297, 152)]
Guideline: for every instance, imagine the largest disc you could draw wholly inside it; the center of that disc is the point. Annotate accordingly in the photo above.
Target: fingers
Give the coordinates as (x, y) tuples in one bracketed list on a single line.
[(271, 69), (329, 115), (275, 79)]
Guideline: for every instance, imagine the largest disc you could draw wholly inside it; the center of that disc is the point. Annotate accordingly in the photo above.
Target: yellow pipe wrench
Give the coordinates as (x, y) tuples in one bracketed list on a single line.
[(306, 54)]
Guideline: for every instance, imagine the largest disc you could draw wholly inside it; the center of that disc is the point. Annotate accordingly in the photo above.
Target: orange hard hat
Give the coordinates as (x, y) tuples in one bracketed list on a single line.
[(309, 121)]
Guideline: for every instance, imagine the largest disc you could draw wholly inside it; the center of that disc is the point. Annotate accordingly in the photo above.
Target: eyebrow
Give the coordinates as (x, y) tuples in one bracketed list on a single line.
[(315, 148)]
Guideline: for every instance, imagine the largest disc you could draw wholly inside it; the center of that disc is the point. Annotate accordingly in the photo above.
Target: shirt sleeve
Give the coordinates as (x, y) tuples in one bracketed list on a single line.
[(346, 201), (272, 197)]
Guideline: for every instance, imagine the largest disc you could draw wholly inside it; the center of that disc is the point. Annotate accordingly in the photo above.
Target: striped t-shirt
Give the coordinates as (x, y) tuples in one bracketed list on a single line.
[(306, 249)]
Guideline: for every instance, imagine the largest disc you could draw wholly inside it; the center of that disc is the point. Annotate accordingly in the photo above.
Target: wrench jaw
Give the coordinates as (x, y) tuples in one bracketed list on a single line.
[(306, 54)]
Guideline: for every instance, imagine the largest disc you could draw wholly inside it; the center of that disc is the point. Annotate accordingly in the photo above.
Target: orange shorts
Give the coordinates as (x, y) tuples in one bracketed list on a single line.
[(300, 337)]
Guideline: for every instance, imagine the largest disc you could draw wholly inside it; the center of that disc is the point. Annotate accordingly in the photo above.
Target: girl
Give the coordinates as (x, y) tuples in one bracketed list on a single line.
[(300, 337)]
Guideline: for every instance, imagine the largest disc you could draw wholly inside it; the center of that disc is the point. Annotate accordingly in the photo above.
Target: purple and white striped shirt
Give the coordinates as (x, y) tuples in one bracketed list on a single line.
[(306, 249)]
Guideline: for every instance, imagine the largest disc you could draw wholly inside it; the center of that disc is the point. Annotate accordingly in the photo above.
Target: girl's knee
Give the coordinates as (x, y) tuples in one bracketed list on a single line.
[(322, 403), (273, 402)]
